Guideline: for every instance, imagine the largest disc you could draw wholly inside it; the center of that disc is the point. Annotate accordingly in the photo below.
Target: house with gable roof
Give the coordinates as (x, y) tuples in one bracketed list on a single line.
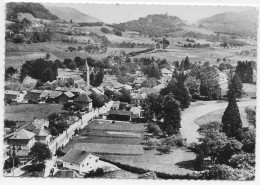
[(42, 135), (80, 160), (22, 139)]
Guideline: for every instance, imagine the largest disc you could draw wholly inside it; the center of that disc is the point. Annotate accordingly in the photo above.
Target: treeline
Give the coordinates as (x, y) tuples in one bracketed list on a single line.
[(131, 45), (134, 53), (90, 24), (198, 45), (114, 31)]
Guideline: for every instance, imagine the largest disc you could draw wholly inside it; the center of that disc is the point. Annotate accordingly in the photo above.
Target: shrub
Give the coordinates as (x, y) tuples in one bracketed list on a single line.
[(95, 173), (163, 149), (154, 128), (34, 168), (174, 140)]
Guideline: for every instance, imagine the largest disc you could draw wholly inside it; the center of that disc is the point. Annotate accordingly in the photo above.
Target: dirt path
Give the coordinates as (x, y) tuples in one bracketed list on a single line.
[(189, 127)]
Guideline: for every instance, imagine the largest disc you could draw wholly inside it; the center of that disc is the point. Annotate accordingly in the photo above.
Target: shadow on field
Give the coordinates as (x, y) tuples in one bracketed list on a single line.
[(186, 164)]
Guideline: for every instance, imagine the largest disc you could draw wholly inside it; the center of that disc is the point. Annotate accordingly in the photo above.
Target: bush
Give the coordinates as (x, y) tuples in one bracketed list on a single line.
[(34, 168), (175, 140), (163, 149), (154, 128), (95, 173)]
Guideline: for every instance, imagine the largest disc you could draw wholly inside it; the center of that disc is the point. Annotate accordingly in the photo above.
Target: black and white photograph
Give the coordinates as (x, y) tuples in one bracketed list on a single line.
[(129, 91)]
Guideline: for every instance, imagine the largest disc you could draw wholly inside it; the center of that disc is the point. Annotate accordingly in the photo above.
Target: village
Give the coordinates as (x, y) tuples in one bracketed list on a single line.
[(153, 98)]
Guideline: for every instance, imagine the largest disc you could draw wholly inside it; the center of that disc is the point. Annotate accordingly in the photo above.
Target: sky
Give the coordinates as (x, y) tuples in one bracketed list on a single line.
[(112, 13)]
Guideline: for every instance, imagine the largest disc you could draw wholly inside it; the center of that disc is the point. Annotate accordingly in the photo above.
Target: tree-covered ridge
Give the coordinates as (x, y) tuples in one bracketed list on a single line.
[(157, 24), (36, 9)]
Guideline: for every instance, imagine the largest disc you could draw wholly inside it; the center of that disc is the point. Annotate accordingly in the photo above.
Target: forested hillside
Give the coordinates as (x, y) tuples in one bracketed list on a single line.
[(157, 24), (36, 9)]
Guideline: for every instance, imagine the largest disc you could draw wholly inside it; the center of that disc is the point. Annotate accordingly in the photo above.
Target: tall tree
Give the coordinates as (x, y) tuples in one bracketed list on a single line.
[(39, 153), (231, 119), (235, 83), (172, 115)]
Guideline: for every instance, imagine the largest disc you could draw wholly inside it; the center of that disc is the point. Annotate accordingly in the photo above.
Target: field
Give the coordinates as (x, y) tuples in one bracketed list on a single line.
[(103, 133), (17, 54), (27, 112), (217, 116)]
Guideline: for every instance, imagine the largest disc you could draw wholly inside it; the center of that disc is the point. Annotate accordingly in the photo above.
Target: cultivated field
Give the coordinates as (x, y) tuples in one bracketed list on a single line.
[(27, 112)]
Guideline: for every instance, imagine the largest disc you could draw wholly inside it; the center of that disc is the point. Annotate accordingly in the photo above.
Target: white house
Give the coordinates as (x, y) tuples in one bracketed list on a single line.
[(80, 160), (166, 72)]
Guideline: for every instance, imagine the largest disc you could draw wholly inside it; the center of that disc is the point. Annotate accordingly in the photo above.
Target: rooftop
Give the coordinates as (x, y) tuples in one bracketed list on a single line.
[(83, 98), (75, 156), (23, 134)]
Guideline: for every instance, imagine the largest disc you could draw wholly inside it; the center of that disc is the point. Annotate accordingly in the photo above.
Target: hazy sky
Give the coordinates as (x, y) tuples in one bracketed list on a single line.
[(121, 13)]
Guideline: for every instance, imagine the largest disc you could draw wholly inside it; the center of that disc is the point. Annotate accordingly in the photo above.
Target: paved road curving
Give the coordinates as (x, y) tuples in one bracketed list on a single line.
[(189, 127)]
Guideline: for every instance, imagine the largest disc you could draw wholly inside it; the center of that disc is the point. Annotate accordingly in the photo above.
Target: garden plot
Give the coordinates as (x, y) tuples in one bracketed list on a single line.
[(114, 149)]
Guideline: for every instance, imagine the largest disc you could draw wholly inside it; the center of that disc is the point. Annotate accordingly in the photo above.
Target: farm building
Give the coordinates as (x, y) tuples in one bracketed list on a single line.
[(33, 96), (119, 115), (65, 97), (44, 95), (80, 160), (84, 101), (54, 97), (22, 139), (12, 96)]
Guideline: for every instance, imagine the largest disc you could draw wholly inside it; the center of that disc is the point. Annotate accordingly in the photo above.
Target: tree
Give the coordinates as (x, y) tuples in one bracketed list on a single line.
[(125, 95), (193, 85), (152, 71), (231, 148), (72, 65), (152, 106), (186, 65), (247, 137), (39, 153), (180, 92), (97, 100), (231, 119), (245, 71), (48, 75), (48, 56), (99, 78), (235, 83), (171, 115)]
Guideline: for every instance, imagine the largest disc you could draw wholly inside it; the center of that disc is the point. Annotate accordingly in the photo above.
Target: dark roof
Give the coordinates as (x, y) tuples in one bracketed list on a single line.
[(32, 96), (30, 127), (66, 174), (83, 98), (120, 112), (75, 156)]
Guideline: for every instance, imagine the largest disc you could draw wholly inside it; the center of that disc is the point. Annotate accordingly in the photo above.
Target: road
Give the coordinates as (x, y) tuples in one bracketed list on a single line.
[(189, 127)]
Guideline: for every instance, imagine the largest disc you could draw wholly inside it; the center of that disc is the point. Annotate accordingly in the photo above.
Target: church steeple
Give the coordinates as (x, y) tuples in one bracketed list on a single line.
[(86, 72)]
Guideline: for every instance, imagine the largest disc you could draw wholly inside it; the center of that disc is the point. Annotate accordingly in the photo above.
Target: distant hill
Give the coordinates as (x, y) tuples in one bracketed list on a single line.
[(35, 9), (240, 23), (67, 13), (157, 24)]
